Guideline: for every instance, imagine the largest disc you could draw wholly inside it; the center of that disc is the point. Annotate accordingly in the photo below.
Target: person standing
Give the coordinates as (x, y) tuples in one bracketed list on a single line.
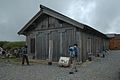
[(1, 49), (16, 52), (3, 54), (25, 55), (74, 55)]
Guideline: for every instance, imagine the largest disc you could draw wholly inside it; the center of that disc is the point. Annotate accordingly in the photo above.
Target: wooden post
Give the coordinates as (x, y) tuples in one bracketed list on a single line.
[(50, 52)]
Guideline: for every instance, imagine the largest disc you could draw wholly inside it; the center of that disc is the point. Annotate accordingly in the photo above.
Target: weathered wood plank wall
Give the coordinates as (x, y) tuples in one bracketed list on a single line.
[(63, 35)]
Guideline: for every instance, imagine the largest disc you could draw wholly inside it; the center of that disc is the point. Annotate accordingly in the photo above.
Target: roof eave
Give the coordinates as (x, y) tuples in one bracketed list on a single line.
[(21, 32), (56, 15), (60, 16)]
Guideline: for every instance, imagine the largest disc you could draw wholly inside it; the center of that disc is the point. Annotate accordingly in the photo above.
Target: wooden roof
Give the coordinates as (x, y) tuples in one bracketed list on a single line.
[(110, 35), (48, 11), (117, 36), (45, 10)]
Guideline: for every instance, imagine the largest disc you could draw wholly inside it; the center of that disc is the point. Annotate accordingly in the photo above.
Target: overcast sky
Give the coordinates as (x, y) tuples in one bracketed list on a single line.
[(103, 15)]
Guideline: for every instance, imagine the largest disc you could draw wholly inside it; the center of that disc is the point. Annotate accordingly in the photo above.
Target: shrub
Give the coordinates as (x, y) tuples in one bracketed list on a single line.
[(3, 43), (10, 45), (119, 75)]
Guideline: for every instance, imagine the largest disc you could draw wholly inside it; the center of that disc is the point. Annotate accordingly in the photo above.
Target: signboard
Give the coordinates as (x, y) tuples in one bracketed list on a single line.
[(64, 61)]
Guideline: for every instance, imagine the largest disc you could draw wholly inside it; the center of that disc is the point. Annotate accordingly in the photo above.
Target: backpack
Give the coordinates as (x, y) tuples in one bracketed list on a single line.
[(71, 51)]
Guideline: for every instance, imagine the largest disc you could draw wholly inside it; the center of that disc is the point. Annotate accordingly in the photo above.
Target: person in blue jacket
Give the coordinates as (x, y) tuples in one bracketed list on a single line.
[(25, 55), (73, 55)]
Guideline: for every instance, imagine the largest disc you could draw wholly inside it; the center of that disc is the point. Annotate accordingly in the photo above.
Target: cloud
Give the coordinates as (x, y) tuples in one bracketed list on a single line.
[(82, 10), (14, 14), (103, 15), (106, 13), (115, 26)]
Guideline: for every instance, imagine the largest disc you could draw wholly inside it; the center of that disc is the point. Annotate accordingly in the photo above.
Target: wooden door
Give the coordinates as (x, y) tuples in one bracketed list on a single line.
[(42, 46)]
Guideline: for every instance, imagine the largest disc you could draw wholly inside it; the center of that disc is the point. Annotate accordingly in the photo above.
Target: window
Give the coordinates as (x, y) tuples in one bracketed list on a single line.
[(32, 43)]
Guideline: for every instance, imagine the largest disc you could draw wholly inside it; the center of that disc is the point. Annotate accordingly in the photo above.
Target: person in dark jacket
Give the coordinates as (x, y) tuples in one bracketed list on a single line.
[(74, 55), (25, 55)]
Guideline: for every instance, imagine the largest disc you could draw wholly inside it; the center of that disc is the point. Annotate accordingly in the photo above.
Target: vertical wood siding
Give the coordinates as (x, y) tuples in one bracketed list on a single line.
[(64, 35)]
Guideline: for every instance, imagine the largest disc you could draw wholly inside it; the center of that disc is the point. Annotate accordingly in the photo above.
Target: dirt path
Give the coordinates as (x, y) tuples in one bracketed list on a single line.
[(102, 69)]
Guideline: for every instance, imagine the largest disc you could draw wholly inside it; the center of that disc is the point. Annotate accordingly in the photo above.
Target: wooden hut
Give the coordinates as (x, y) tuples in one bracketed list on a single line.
[(114, 41), (50, 26)]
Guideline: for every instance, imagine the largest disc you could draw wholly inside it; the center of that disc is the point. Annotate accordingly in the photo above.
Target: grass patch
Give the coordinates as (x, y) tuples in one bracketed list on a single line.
[(12, 60), (15, 59), (10, 45), (19, 61)]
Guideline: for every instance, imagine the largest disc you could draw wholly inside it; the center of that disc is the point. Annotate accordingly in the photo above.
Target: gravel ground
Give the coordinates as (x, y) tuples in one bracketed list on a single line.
[(101, 69)]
